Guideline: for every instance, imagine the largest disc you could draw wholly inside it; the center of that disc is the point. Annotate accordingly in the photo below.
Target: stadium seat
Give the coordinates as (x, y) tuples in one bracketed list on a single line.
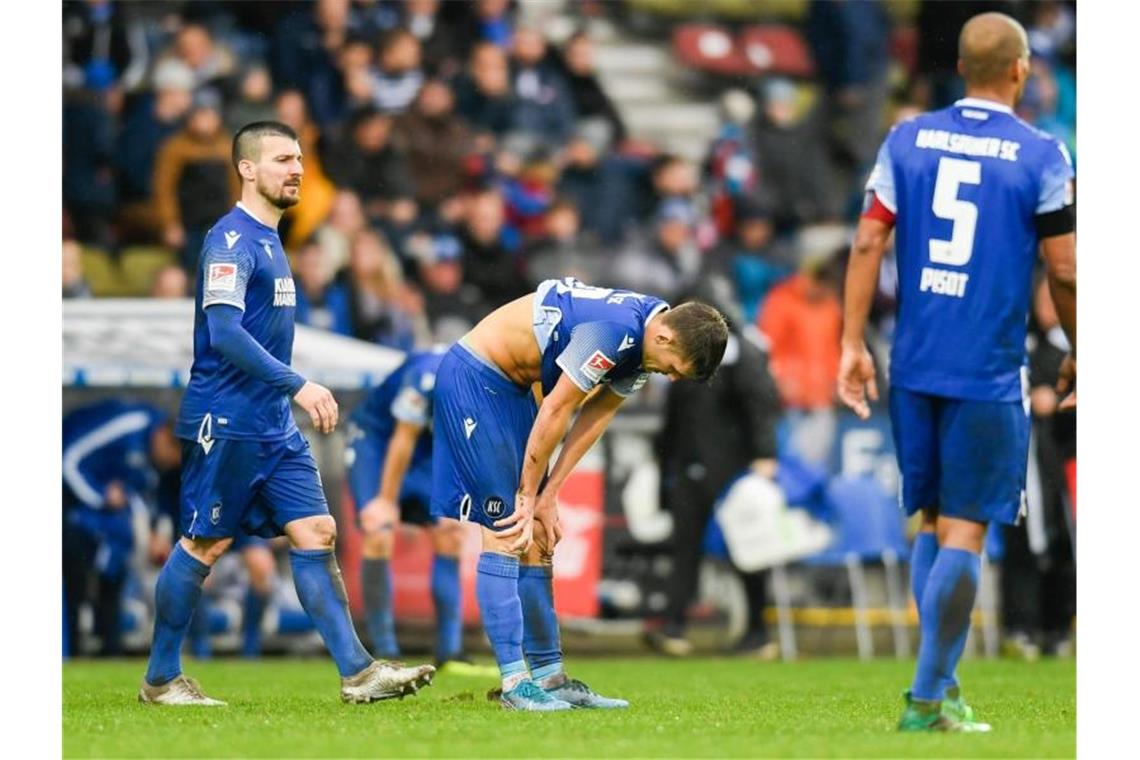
[(868, 529), (711, 48), (775, 49), (138, 266), (101, 272)]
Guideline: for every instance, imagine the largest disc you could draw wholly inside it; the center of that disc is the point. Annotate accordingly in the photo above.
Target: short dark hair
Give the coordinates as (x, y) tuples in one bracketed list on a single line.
[(701, 334), (247, 141)]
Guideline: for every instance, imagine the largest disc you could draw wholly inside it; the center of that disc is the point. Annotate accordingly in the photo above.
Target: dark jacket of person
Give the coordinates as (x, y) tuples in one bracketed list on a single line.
[(714, 431), (381, 175), (435, 149)]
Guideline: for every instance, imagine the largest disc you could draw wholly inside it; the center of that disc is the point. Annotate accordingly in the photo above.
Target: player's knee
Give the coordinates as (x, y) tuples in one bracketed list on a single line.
[(536, 556), (206, 550), (447, 537), (962, 534), (318, 532), (497, 544), (379, 545)]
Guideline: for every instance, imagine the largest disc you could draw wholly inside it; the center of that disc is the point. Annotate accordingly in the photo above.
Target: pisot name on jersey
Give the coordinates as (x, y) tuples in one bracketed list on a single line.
[(284, 292), (943, 282)]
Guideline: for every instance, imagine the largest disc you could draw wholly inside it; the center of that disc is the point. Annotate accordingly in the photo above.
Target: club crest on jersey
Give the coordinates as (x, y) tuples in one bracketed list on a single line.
[(597, 366), (222, 277), (493, 506)]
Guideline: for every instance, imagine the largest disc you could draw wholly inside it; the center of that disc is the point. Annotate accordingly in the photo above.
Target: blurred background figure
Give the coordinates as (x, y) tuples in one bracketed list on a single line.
[(114, 454), (74, 286)]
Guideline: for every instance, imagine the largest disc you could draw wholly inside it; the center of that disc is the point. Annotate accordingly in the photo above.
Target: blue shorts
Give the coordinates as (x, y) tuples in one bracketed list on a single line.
[(482, 422), (364, 462), (256, 487), (967, 459)]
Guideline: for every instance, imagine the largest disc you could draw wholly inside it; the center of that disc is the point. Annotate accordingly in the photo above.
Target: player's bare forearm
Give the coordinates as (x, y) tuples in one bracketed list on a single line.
[(549, 428), (400, 449), (1060, 254), (593, 420), (862, 277)]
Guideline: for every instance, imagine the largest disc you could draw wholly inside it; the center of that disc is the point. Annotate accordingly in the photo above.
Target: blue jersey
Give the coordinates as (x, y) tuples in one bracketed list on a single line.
[(406, 395), (592, 334), (106, 442), (244, 265), (966, 184)]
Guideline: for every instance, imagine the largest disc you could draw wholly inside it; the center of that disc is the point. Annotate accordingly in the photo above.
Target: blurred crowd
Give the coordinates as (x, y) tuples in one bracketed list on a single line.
[(456, 154)]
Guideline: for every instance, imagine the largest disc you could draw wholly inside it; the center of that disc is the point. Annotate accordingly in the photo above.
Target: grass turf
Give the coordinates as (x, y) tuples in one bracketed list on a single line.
[(703, 707)]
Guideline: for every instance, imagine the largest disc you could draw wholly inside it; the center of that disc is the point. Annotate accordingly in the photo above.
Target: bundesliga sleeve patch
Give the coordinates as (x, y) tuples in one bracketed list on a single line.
[(221, 277), (597, 366)]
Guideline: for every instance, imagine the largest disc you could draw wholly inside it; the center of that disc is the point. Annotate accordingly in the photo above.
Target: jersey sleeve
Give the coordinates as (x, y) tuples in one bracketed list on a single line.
[(627, 386), (882, 180), (413, 401), (591, 353), (227, 273), (1056, 180)]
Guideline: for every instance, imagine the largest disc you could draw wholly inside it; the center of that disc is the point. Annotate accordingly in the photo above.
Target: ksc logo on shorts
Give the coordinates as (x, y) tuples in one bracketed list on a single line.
[(216, 513), (494, 506)]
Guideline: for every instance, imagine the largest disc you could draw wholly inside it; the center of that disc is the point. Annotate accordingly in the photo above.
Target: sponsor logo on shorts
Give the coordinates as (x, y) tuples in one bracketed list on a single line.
[(493, 506), (597, 366), (222, 277)]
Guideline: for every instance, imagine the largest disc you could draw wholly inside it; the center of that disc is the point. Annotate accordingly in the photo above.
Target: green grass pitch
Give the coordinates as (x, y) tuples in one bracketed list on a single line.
[(691, 708)]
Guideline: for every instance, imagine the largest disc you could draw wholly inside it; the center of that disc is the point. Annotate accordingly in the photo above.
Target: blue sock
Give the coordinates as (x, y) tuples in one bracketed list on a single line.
[(175, 597), (320, 588), (497, 589), (445, 593), (947, 602), (253, 610), (922, 556), (541, 643), (376, 578)]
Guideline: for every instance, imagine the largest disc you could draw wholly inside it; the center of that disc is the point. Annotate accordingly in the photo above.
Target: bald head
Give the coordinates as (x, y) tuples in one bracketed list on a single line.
[(989, 47)]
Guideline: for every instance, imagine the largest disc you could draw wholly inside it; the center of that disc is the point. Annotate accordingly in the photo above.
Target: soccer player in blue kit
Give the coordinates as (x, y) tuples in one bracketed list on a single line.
[(388, 463), (974, 195), (590, 348), (246, 466)]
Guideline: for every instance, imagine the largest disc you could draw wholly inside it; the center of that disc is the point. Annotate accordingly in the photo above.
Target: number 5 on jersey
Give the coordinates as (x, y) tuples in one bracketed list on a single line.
[(953, 172)]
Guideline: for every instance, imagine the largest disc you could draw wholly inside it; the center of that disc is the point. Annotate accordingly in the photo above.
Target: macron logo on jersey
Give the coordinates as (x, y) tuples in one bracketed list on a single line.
[(469, 427), (232, 238), (222, 277), (597, 366), (626, 342)]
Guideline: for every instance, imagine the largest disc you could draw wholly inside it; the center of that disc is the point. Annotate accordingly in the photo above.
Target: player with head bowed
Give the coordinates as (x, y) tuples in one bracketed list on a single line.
[(974, 195), (246, 466), (589, 348)]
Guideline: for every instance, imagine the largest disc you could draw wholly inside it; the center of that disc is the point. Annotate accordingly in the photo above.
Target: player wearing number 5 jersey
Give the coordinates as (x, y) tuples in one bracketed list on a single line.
[(974, 195)]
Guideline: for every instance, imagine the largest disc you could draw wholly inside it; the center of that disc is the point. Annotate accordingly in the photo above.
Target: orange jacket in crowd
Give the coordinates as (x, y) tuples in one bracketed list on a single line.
[(803, 322), (178, 153)]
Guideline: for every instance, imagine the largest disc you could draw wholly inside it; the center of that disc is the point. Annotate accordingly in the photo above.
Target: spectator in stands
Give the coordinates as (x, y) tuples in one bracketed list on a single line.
[(452, 305), (602, 187), (170, 282), (301, 221), (436, 142), (99, 41), (74, 286), (306, 54), (667, 264), (345, 221), (211, 64), (194, 182), (802, 320), (544, 112), (483, 95), (493, 22), (528, 189), (151, 120), (588, 97), (561, 251), (321, 302), (791, 142), (753, 262), (400, 74), (1038, 579), (254, 103), (90, 121), (365, 161), (489, 262), (443, 50), (730, 167), (384, 310), (113, 456)]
